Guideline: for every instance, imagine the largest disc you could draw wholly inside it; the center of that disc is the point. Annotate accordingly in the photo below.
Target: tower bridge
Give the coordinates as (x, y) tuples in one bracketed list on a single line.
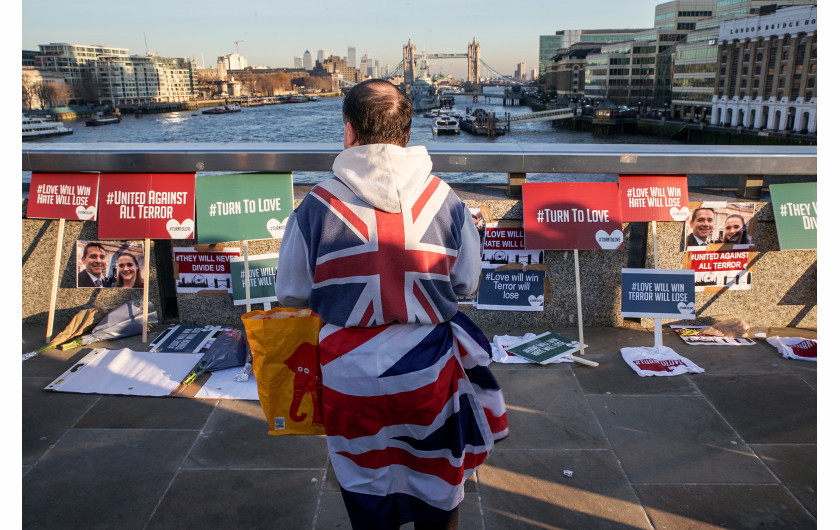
[(408, 65)]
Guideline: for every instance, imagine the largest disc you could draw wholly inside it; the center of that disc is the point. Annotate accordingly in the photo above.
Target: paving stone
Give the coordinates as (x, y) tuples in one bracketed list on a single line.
[(755, 359), (99, 478), (46, 415), (236, 436), (331, 512), (722, 506), (546, 409), (614, 377), (771, 409), (796, 467), (673, 439), (237, 498), (528, 489), (146, 412)]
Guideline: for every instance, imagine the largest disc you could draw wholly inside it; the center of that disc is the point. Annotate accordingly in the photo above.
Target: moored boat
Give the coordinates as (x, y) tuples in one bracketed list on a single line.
[(423, 92), (297, 98), (482, 123), (445, 125), (35, 128), (232, 107), (102, 120)]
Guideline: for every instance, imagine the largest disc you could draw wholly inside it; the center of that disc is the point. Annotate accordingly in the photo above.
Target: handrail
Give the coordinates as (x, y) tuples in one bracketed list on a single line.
[(512, 158)]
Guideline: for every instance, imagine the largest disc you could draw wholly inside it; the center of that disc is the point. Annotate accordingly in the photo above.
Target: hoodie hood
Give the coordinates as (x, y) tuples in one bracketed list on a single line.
[(383, 175)]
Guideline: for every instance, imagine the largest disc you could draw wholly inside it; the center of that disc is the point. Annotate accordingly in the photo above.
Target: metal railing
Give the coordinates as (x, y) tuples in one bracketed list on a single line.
[(745, 164)]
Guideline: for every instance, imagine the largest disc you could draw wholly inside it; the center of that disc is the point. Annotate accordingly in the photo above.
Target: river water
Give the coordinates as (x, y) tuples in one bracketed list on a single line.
[(320, 121)]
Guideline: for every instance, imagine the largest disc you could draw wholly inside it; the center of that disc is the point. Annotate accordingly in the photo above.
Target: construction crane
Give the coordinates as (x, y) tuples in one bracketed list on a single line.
[(236, 43)]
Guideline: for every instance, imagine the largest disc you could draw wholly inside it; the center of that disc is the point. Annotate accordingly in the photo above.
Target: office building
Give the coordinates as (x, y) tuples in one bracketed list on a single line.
[(564, 39), (298, 61), (307, 61), (767, 75), (323, 54), (351, 56), (234, 61), (681, 16), (520, 74)]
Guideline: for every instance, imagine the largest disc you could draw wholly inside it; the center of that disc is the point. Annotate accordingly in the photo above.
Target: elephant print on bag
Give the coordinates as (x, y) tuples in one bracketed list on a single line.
[(304, 363)]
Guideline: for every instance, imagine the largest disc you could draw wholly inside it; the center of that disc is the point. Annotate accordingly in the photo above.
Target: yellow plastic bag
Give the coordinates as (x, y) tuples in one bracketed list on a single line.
[(284, 345)]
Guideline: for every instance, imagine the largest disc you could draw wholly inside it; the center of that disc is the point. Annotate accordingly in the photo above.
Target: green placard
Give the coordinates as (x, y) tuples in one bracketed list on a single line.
[(262, 269), (545, 348), (795, 208), (242, 207)]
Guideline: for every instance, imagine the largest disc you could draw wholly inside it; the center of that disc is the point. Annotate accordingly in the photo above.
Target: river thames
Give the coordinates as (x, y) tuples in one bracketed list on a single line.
[(320, 122)]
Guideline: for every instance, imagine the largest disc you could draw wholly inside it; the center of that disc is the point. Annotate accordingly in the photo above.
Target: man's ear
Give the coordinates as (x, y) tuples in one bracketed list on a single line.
[(351, 139)]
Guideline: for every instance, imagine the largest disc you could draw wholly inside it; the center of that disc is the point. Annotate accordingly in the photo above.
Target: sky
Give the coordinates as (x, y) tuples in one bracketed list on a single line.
[(272, 33)]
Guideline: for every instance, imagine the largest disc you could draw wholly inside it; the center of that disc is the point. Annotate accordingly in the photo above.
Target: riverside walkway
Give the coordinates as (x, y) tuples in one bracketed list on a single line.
[(733, 447)]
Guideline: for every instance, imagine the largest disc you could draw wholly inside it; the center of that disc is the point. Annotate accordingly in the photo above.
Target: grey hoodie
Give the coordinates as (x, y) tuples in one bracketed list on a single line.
[(386, 177)]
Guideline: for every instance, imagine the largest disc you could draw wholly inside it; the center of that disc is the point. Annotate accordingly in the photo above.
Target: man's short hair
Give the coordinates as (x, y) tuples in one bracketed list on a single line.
[(694, 213), (378, 112), (97, 245)]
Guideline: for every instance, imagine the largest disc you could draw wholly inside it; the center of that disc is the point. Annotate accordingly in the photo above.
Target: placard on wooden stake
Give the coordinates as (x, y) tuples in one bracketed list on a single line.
[(572, 216), (147, 206), (61, 196)]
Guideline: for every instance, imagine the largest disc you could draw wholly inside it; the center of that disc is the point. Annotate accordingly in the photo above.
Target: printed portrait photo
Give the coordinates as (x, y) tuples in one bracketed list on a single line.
[(109, 264), (711, 223)]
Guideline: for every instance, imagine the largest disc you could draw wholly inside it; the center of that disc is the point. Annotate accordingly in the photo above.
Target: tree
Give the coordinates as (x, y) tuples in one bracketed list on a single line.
[(28, 92), (46, 94)]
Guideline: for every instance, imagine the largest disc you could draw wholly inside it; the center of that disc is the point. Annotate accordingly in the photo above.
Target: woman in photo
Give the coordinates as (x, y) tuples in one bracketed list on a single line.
[(128, 272), (735, 230)]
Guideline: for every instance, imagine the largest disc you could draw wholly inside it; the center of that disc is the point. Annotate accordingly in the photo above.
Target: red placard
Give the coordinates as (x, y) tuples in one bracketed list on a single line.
[(572, 215), (653, 197), (63, 196), (144, 205)]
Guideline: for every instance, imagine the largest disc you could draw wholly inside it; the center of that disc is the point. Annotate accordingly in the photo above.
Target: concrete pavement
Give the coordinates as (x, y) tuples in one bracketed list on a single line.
[(732, 447)]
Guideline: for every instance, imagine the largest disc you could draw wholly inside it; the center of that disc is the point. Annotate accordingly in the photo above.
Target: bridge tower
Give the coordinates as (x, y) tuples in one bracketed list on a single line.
[(409, 64), (473, 61)]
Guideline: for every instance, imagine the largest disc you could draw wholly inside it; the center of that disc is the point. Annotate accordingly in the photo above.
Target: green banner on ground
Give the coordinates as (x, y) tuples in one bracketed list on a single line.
[(243, 207), (795, 208)]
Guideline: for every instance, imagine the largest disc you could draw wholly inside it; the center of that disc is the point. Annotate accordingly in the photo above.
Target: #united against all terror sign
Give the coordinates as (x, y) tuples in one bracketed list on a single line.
[(154, 206)]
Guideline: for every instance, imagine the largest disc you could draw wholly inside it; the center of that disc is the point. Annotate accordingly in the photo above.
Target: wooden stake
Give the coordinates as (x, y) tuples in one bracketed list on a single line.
[(579, 308), (657, 322), (56, 271), (655, 249), (657, 332), (146, 282), (247, 277)]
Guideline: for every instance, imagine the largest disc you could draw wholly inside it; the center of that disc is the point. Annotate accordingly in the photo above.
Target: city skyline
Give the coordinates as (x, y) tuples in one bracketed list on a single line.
[(273, 34)]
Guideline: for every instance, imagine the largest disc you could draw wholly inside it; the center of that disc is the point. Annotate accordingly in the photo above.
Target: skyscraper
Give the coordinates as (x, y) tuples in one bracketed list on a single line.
[(307, 60), (298, 62), (351, 56), (323, 54)]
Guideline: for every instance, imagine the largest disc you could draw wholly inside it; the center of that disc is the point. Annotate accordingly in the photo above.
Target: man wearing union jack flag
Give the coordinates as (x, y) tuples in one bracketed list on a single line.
[(380, 252)]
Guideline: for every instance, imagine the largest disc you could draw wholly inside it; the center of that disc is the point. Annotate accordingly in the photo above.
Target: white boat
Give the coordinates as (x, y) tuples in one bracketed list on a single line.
[(445, 125), (227, 109), (423, 92), (36, 128)]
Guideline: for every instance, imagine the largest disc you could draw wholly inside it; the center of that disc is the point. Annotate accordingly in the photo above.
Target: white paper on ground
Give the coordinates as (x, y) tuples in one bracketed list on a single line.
[(658, 361), (222, 384), (795, 347), (126, 372), (500, 342)]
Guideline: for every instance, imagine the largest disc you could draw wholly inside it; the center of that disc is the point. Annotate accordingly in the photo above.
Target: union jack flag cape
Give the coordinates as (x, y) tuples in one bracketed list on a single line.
[(410, 407), (410, 411)]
